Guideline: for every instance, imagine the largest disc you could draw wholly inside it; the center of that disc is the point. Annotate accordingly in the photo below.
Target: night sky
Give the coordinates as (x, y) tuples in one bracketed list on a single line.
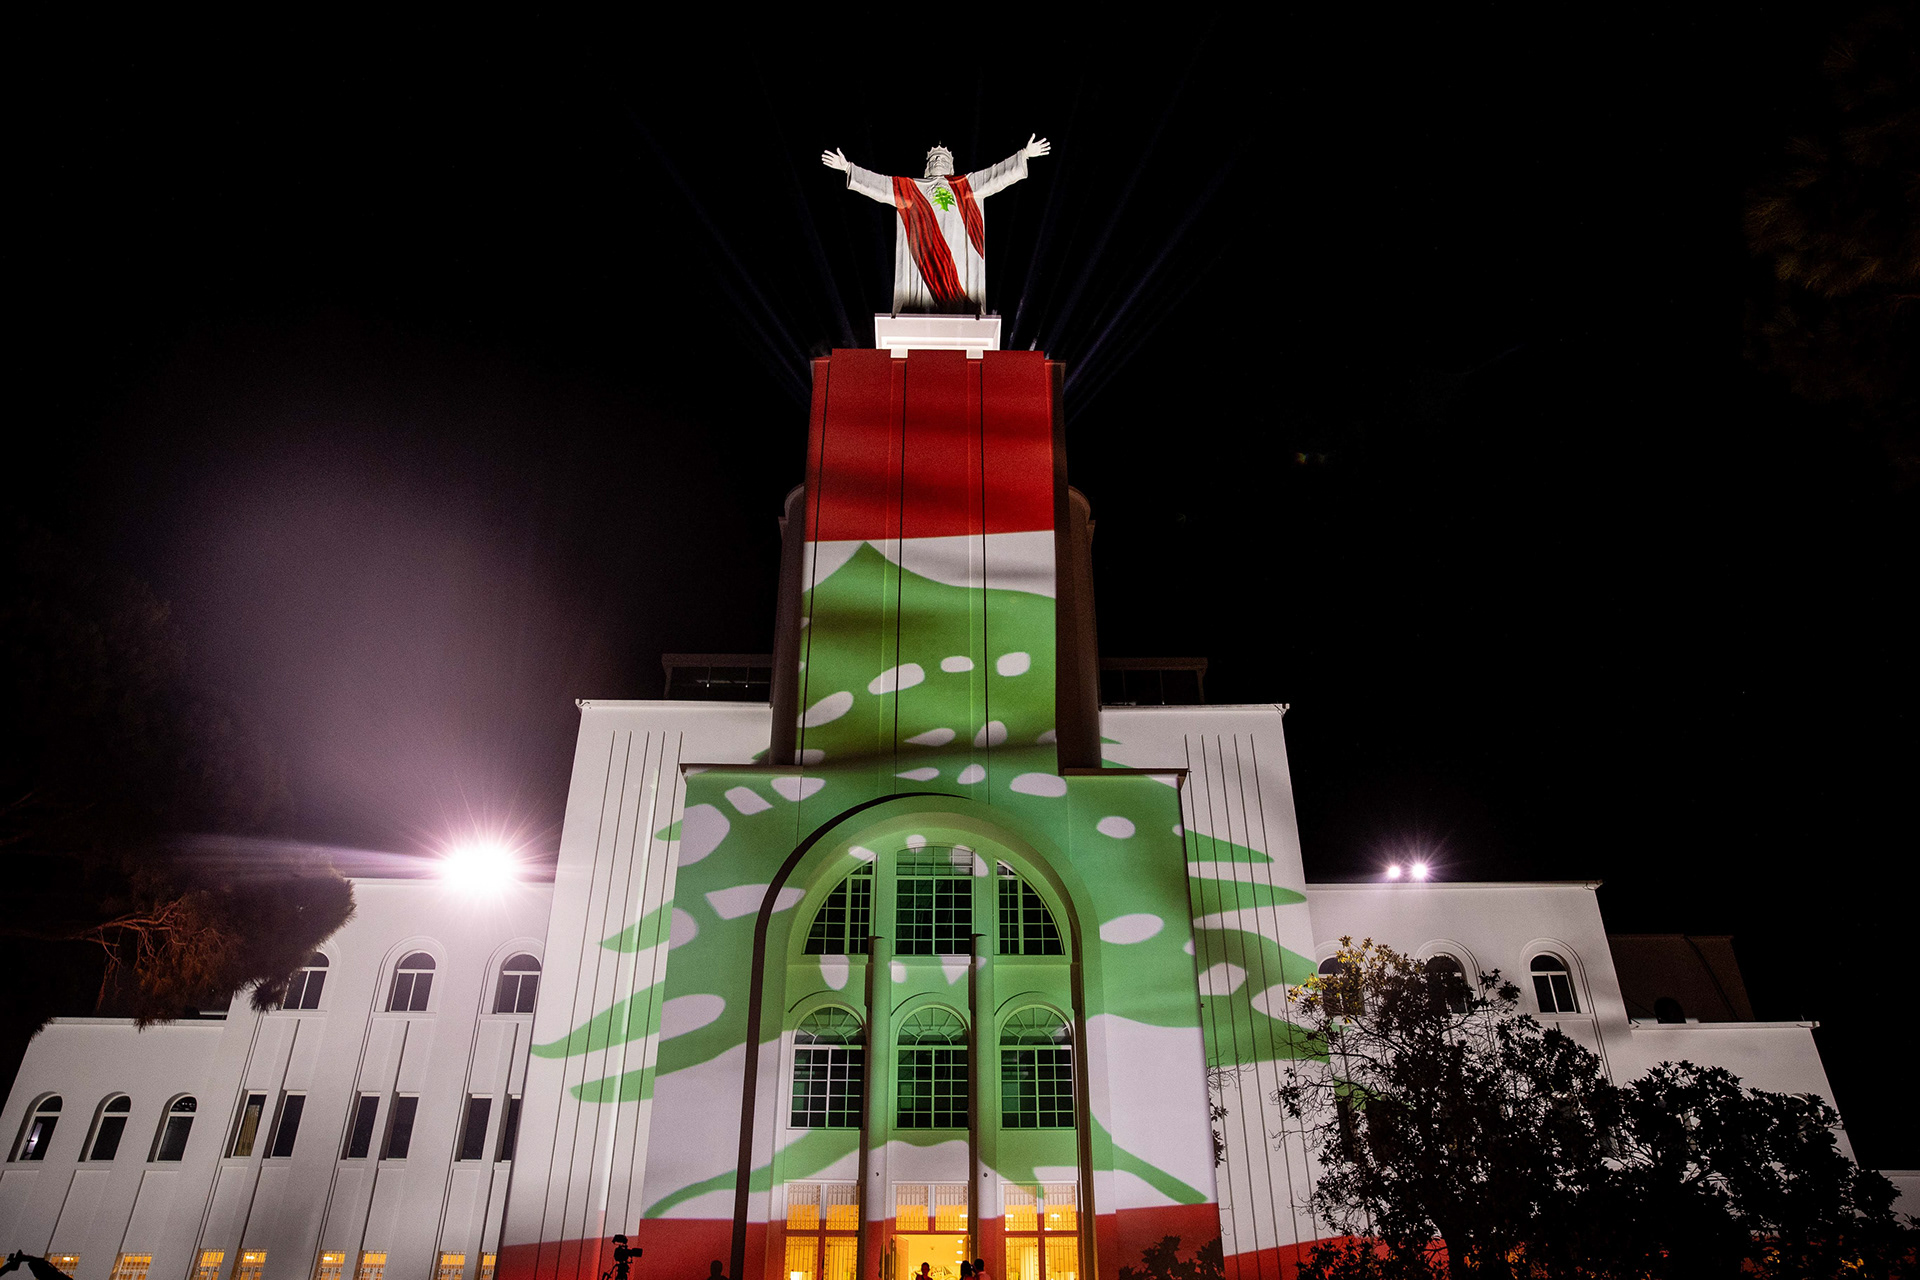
[(439, 377)]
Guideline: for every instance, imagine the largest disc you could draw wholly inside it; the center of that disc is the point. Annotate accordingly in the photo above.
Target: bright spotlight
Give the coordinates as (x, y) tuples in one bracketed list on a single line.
[(1419, 871), (1393, 871), (479, 867)]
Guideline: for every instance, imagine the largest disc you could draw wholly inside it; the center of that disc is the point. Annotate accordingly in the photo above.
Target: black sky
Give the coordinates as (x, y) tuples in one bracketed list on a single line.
[(440, 377)]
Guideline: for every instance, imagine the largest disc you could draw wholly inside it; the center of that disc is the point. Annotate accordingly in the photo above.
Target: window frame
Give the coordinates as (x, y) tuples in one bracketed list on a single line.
[(525, 985), (354, 1113), (419, 997), (31, 1132), (397, 1124), (304, 989), (1564, 971), (843, 1062), (945, 1096), (286, 1124), (102, 1114), (1018, 1054), (465, 1139), (164, 1129)]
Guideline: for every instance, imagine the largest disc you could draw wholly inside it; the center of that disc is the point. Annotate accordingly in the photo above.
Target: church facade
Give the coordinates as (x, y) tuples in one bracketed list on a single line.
[(930, 957)]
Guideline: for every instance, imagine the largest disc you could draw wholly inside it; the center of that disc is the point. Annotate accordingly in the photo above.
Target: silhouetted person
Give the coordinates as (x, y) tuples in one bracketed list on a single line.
[(716, 1271), (966, 1270), (980, 1269), (38, 1268), (926, 1271)]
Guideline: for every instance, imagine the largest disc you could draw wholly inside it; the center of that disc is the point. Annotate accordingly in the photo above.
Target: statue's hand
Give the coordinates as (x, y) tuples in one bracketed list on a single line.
[(1036, 146), (835, 160)]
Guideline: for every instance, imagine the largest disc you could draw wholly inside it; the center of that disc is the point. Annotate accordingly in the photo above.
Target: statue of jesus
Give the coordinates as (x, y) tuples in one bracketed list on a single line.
[(940, 255)]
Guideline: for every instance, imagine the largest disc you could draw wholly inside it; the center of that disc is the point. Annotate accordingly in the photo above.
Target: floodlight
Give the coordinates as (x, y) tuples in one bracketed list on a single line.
[(1419, 871), (480, 866), (1393, 871)]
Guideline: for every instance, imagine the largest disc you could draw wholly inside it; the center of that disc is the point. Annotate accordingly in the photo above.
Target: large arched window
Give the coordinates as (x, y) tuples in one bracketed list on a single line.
[(845, 919), (1553, 985), (304, 991), (829, 1070), (170, 1143), (1447, 979), (38, 1131), (933, 1070), (933, 901), (519, 984), (1340, 988), (1026, 926), (1036, 1071), (108, 1126), (412, 983)]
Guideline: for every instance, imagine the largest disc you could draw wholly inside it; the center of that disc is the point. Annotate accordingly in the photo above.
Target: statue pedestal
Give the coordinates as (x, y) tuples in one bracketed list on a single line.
[(971, 334)]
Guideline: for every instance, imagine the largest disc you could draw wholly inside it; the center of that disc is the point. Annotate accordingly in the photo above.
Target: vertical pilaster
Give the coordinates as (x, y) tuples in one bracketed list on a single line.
[(983, 1101)]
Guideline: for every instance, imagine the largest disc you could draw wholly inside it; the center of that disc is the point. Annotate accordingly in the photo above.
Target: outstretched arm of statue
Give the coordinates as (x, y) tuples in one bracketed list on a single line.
[(874, 186), (1010, 170)]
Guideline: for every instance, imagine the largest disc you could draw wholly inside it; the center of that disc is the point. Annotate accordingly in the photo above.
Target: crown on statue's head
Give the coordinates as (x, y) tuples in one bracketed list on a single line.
[(939, 161)]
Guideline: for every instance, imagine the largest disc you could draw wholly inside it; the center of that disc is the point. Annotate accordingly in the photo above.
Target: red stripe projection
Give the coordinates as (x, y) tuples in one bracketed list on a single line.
[(928, 246), (897, 445), (970, 214)]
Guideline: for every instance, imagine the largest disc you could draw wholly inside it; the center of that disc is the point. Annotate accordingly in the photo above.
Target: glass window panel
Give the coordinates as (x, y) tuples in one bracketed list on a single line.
[(106, 1139), (910, 1206), (803, 1206), (208, 1268), (252, 1265), (1023, 1258), (247, 1128), (360, 1134), (131, 1266), (288, 1130), (486, 1267), (842, 1203), (452, 1267), (950, 1207), (400, 1128), (803, 1254), (1060, 1201), (473, 1132), (844, 921), (842, 1258), (509, 1129), (373, 1266), (1022, 1208), (1063, 1258), (332, 1266), (173, 1137)]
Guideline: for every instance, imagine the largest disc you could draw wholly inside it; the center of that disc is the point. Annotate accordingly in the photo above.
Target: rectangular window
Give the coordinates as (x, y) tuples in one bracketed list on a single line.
[(452, 1266), (486, 1267), (509, 1129), (473, 1129), (332, 1266), (208, 1268), (360, 1130), (933, 1089), (247, 1126), (400, 1130), (1026, 926), (287, 1127), (173, 1138), (933, 902), (1036, 1088), (827, 1086), (373, 1266), (304, 991), (131, 1266), (39, 1134), (67, 1262), (253, 1265)]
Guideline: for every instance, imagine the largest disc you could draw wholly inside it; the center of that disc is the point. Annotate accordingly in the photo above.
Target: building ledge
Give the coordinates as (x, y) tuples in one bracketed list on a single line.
[(1426, 886), (1719, 1026)]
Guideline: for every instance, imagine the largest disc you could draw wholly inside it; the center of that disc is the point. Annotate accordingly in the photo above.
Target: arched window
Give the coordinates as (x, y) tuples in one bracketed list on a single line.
[(412, 983), (1667, 1009), (519, 984), (1036, 1071), (171, 1142), (104, 1143), (1340, 988), (1553, 985), (38, 1131), (1026, 926), (304, 991), (845, 919), (933, 1070), (1447, 978), (829, 1070)]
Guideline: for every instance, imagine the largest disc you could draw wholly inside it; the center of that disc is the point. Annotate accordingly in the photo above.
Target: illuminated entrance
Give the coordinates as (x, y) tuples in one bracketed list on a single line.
[(1043, 1232), (823, 1231), (930, 1229)]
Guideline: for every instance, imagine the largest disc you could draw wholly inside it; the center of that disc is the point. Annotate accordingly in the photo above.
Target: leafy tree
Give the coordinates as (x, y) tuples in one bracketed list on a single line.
[(108, 754), (1838, 229), (1459, 1138), (1162, 1261)]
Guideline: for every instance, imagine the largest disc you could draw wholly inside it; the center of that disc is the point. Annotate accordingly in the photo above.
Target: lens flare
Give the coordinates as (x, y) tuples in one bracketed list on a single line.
[(1393, 871), (1419, 871), (480, 866)]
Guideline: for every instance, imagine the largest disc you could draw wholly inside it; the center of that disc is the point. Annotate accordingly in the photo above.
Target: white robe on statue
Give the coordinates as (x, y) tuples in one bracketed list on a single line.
[(910, 293)]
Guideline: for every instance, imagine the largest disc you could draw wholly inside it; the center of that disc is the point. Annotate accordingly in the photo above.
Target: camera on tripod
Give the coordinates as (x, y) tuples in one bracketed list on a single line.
[(623, 1258)]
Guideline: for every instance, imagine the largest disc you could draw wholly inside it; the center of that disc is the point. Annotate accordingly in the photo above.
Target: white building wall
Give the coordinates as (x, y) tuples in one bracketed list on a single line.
[(295, 1206)]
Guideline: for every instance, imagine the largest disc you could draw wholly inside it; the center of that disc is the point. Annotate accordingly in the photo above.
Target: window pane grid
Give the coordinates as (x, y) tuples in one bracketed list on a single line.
[(827, 1086), (933, 1089), (131, 1266), (1036, 1088), (845, 919), (1026, 926)]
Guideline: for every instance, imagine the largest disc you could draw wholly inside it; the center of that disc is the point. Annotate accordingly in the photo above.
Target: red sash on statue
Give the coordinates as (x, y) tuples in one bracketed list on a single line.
[(928, 247)]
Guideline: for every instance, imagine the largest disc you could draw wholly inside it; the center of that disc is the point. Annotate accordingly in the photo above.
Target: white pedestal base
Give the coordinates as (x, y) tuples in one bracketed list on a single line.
[(971, 334)]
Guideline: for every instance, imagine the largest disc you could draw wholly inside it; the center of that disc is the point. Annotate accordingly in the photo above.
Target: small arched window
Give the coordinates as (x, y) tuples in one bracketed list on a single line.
[(1447, 978), (1026, 926), (829, 1070), (38, 1131), (933, 1070), (1667, 1009), (304, 991), (519, 984), (412, 983), (841, 925), (1553, 985), (1340, 988), (1036, 1071), (108, 1127), (171, 1142)]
